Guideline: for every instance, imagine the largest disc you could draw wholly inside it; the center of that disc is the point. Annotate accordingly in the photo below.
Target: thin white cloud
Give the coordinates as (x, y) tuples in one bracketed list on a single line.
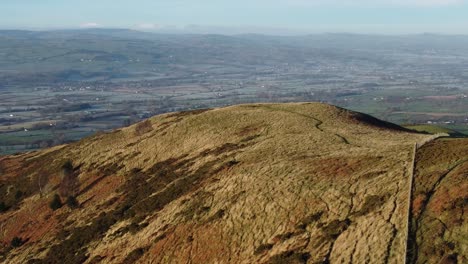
[(90, 25)]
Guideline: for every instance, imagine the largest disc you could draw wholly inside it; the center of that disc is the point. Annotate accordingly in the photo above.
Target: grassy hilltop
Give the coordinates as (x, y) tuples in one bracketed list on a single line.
[(259, 183)]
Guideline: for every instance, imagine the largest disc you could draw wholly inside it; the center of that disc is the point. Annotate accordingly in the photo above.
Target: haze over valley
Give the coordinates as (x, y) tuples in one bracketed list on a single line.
[(247, 131), (59, 86)]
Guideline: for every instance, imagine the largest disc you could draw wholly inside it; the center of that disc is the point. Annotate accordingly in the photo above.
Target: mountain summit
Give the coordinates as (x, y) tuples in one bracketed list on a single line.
[(260, 183)]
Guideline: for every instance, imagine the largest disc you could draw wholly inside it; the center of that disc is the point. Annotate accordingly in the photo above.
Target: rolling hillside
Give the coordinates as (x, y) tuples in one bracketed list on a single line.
[(260, 183), (439, 228)]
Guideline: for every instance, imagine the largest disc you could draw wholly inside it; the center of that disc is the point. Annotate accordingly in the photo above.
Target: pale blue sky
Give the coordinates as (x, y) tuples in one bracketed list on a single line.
[(304, 16)]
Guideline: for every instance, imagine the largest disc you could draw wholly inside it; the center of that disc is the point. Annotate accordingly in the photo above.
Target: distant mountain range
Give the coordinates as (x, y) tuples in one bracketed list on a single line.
[(28, 57)]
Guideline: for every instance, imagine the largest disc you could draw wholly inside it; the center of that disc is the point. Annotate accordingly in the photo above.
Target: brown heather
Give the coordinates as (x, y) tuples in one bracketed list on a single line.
[(263, 183)]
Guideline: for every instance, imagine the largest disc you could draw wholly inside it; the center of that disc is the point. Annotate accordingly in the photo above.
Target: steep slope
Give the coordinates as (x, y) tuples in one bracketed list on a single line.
[(265, 183), (439, 231)]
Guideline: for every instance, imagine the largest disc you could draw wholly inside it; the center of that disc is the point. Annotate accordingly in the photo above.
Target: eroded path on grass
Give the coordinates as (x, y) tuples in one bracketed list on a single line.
[(293, 183)]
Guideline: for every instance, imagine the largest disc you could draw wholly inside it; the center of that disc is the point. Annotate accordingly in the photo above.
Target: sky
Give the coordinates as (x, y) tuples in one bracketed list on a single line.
[(242, 16)]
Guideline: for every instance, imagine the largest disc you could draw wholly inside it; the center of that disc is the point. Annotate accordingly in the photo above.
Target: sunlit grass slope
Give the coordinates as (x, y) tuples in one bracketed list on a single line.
[(439, 228), (262, 183)]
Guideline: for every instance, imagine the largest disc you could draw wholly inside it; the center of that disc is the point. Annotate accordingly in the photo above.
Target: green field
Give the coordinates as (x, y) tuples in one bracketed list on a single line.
[(20, 141), (78, 82)]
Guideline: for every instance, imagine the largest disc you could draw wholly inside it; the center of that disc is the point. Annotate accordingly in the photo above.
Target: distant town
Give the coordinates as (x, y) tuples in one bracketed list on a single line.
[(97, 82)]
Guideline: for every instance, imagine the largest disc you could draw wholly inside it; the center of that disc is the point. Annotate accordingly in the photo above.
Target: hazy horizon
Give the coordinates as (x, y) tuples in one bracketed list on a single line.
[(231, 31), (280, 17)]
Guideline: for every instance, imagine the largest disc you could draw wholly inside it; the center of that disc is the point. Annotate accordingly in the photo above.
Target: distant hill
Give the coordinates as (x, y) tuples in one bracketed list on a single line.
[(32, 57), (434, 129), (258, 183)]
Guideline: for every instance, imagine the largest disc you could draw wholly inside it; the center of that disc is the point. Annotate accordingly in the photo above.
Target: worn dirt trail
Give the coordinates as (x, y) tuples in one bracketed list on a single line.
[(265, 183)]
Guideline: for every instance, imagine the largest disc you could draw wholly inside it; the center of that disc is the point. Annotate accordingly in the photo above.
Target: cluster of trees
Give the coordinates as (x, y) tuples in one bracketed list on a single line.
[(56, 202), (3, 207), (69, 187), (16, 242), (65, 108)]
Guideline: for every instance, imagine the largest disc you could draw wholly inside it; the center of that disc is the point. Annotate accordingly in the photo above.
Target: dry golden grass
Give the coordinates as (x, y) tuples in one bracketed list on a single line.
[(439, 229), (268, 183)]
